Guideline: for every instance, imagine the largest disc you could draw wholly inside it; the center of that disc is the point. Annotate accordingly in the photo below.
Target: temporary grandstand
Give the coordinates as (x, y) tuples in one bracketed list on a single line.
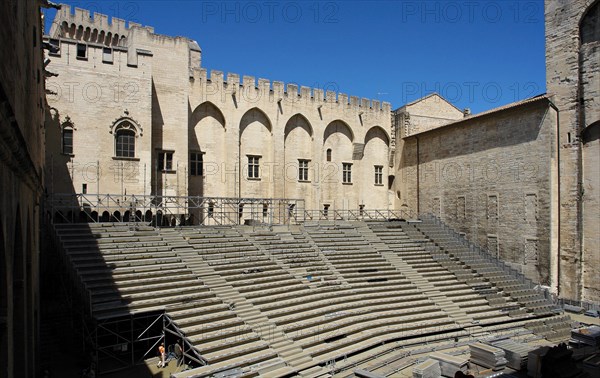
[(300, 294)]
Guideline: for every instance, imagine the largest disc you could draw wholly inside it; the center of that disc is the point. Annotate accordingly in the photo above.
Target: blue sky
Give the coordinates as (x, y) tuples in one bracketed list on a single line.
[(478, 54)]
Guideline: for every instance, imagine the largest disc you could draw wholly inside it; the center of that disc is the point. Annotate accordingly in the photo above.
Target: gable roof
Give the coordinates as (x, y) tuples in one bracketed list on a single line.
[(530, 100), (425, 98)]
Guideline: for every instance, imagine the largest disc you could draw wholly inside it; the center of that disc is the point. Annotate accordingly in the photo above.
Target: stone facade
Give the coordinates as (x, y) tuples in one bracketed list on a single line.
[(22, 106), (573, 82), (493, 177), (180, 114)]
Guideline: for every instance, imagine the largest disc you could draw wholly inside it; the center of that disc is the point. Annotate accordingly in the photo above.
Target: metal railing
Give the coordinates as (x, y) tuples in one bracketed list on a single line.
[(195, 210), (356, 215), (173, 210), (477, 250)]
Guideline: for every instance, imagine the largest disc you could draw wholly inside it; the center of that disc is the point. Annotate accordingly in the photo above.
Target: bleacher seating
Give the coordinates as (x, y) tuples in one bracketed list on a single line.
[(291, 300)]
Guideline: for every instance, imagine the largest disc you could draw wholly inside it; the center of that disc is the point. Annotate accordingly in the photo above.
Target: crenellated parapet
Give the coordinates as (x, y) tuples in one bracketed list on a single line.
[(252, 90), (95, 28)]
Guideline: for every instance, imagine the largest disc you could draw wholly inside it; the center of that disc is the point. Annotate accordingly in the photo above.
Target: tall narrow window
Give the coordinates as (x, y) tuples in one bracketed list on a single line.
[(253, 167), (265, 210), (196, 164), (125, 143), (329, 154), (291, 210), (165, 161), (346, 173), (67, 140), (325, 210), (379, 175), (211, 209), (302, 170)]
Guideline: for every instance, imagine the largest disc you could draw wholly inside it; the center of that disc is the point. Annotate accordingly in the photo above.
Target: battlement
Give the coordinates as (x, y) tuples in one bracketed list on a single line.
[(68, 23), (291, 92)]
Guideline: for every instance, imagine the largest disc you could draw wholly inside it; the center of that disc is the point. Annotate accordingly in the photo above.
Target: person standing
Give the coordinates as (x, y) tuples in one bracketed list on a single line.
[(161, 351)]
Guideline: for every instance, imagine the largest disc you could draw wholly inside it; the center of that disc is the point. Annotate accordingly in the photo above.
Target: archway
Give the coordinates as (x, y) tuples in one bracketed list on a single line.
[(339, 171), (255, 154), (208, 151), (298, 158), (375, 169)]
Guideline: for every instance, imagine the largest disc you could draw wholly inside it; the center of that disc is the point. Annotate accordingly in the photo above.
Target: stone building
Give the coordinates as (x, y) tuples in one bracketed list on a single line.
[(134, 112), (492, 176), (22, 107), (520, 180), (573, 81)]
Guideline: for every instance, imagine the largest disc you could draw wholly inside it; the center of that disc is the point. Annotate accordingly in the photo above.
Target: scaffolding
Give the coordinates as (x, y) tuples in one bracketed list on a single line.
[(206, 211), (173, 210)]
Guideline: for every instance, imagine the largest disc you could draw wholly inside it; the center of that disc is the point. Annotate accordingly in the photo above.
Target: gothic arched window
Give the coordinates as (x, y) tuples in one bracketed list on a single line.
[(125, 140)]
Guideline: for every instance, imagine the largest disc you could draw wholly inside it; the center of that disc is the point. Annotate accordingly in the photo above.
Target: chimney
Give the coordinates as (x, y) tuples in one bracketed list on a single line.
[(467, 112)]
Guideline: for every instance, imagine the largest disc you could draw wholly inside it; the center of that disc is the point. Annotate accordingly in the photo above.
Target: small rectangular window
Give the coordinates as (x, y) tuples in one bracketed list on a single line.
[(196, 164), (325, 210), (84, 188), (81, 51), (165, 161), (346, 173), (211, 209), (265, 210), (379, 175), (253, 167), (107, 55), (302, 170)]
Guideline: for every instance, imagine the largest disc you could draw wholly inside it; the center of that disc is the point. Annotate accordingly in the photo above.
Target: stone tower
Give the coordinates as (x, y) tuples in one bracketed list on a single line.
[(573, 82)]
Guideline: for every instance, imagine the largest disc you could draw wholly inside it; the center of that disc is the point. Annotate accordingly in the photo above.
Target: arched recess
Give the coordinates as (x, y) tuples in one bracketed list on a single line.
[(3, 303), (589, 56), (255, 155), (379, 133), (208, 150), (19, 290), (298, 157), (255, 117), (338, 127), (338, 137), (375, 169), (589, 27)]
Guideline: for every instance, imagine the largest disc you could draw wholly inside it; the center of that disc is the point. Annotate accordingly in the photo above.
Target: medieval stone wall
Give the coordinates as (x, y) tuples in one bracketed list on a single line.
[(493, 178), (182, 112), (92, 97), (572, 82), (22, 106)]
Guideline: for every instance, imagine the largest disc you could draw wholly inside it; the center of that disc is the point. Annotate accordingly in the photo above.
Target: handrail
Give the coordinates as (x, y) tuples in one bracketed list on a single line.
[(478, 250)]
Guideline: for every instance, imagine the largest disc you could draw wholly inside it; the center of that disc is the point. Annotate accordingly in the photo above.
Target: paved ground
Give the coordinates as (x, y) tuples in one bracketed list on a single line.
[(584, 319)]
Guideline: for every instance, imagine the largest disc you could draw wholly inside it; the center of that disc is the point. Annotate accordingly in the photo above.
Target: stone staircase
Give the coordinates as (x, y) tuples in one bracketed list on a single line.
[(449, 307)]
